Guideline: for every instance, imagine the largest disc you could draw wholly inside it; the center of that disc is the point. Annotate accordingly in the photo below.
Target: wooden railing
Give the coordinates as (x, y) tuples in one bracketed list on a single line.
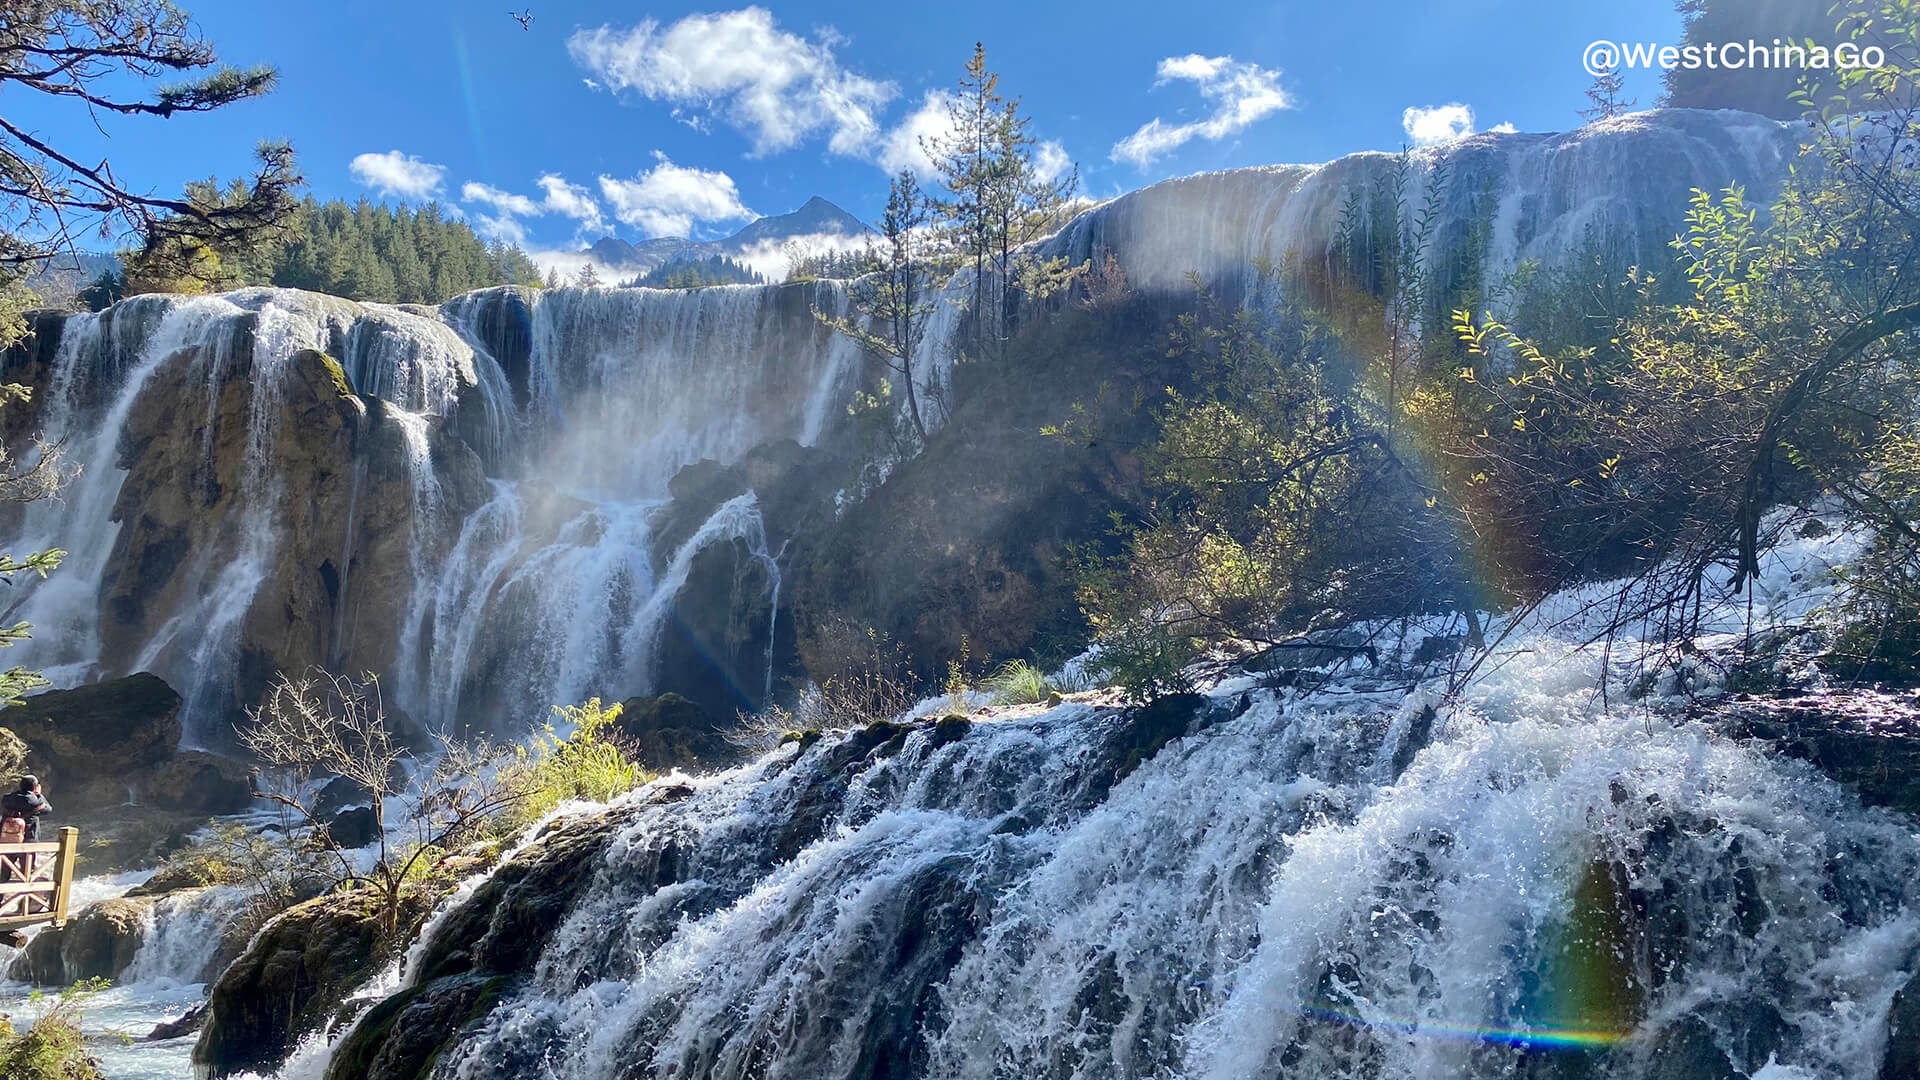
[(35, 880)]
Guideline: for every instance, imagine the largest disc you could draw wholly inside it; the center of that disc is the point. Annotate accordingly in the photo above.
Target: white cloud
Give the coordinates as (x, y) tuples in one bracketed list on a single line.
[(572, 200), (1050, 161), (668, 199), (770, 260), (398, 174), (501, 227), (558, 197), (504, 202), (1437, 124), (1241, 95), (1504, 129), (567, 264), (905, 147), (776, 87)]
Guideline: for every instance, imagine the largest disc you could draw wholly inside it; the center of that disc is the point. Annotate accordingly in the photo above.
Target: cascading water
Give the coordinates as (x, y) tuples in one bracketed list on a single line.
[(104, 372), (617, 390), (580, 405), (1255, 883), (182, 938)]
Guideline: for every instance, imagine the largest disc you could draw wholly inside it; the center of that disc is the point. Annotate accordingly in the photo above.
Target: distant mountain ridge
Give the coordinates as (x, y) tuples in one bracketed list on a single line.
[(816, 217)]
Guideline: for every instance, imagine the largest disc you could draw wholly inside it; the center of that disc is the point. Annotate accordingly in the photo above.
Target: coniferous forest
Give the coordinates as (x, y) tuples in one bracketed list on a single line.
[(362, 251)]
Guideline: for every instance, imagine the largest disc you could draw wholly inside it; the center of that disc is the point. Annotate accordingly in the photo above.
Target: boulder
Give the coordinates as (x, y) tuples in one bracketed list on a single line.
[(338, 794), (480, 949), (1903, 1034), (1868, 740), (720, 632), (174, 1029), (88, 743), (1687, 1051), (402, 1036), (668, 731), (291, 979), (722, 645), (354, 827), (194, 781), (98, 943)]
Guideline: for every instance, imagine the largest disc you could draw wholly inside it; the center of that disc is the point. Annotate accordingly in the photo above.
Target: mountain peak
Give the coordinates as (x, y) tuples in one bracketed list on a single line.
[(815, 217)]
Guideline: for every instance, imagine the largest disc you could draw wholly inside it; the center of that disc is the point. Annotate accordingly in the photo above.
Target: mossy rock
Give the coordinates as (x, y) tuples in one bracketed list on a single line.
[(404, 1036), (292, 977), (669, 731), (1151, 727), (336, 373), (950, 728), (804, 739)]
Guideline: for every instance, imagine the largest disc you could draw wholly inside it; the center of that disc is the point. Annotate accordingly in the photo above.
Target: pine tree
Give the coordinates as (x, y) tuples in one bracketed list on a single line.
[(588, 278), (960, 157), (997, 202), (1605, 95), (889, 309)]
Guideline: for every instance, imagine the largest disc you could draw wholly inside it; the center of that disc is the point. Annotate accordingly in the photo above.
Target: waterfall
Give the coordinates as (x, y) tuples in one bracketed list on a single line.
[(548, 595), (189, 353), (523, 589), (1621, 182), (1277, 884), (184, 935)]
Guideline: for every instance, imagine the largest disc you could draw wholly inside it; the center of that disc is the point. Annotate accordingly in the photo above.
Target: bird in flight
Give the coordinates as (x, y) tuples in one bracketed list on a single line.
[(525, 18)]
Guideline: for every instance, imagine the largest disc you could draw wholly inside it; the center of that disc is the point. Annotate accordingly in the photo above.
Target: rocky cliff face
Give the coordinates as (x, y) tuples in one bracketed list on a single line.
[(475, 502), (359, 494)]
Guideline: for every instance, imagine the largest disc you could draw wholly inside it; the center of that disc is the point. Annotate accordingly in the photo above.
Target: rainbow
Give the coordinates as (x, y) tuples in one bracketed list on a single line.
[(1527, 1038)]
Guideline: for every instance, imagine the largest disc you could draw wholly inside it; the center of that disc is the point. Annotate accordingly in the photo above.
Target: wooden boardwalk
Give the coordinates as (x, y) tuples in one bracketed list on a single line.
[(35, 880)]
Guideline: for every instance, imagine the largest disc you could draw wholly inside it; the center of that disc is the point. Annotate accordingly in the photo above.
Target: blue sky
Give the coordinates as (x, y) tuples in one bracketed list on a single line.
[(653, 118)]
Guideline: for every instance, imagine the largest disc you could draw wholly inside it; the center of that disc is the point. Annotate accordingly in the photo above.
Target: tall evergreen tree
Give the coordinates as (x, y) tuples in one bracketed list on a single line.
[(1605, 97), (889, 309), (997, 200)]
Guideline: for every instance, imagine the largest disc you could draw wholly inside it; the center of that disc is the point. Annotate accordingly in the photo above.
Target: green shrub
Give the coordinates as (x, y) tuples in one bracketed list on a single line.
[(52, 1047), (1878, 638), (591, 763), (1019, 683), (1148, 660)]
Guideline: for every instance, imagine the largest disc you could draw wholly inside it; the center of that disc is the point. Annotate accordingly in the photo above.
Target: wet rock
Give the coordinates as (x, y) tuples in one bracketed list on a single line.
[(669, 731), (174, 1029), (1152, 726), (401, 1037), (720, 630), (1902, 1061), (338, 794), (503, 926), (480, 949), (1867, 740), (89, 743), (355, 827), (194, 781), (722, 645), (950, 728), (291, 978), (98, 943), (1688, 1051)]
